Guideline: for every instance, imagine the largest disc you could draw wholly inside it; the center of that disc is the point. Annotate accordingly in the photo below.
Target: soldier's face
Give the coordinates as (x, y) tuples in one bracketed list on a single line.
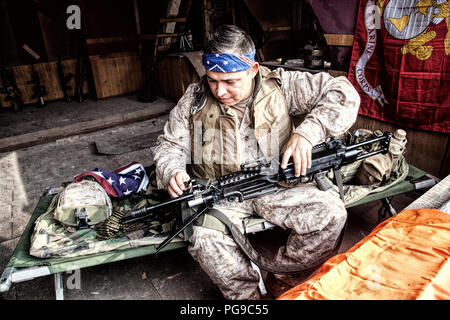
[(233, 87)]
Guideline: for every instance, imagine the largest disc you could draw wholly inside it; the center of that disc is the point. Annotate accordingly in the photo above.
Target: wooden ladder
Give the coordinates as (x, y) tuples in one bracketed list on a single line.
[(166, 34)]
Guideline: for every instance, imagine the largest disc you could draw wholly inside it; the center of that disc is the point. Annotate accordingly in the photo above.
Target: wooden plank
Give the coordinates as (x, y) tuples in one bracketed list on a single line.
[(48, 74), (339, 39), (96, 75), (207, 13), (175, 73), (92, 41), (424, 149), (147, 37), (166, 20), (276, 28), (45, 136), (164, 35), (110, 39), (338, 73), (445, 166), (117, 74), (122, 69)]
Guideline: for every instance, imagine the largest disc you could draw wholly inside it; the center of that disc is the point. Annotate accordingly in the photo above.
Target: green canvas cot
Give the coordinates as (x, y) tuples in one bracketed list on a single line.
[(22, 266)]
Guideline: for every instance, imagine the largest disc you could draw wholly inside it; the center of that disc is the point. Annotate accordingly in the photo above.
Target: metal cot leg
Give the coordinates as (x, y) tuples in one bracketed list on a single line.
[(59, 286), (388, 206)]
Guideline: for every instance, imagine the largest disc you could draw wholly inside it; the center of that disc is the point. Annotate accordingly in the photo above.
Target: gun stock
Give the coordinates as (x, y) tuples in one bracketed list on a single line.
[(38, 89), (10, 88), (63, 81)]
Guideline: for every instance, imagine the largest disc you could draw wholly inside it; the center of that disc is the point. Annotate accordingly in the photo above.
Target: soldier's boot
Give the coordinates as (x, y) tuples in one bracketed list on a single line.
[(278, 284)]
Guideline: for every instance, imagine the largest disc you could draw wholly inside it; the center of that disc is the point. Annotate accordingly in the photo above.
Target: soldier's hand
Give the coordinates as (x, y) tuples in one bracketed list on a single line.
[(300, 149), (176, 184)]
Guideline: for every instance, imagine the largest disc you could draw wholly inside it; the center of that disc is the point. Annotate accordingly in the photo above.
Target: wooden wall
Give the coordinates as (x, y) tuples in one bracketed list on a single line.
[(117, 73), (114, 74), (48, 74), (175, 73)]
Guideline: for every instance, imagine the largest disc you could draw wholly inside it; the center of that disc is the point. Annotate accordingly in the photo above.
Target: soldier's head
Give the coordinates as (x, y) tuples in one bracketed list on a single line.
[(229, 60)]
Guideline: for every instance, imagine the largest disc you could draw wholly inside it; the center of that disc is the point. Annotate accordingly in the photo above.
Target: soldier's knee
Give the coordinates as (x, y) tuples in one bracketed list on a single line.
[(202, 235)]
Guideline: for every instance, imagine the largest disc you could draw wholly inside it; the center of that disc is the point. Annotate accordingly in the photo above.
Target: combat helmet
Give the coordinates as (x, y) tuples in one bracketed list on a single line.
[(82, 205)]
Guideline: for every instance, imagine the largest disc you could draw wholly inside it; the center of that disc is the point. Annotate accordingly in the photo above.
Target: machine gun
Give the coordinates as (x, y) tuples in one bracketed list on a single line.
[(11, 89), (64, 80), (258, 178), (38, 89)]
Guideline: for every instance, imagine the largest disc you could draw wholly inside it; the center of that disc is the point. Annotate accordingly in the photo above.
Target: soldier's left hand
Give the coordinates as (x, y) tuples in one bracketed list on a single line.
[(300, 149)]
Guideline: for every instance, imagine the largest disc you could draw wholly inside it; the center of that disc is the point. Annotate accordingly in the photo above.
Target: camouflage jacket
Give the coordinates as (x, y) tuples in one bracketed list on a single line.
[(327, 106)]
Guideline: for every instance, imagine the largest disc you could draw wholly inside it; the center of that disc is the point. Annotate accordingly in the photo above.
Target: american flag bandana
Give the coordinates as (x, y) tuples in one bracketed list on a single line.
[(228, 62), (122, 181)]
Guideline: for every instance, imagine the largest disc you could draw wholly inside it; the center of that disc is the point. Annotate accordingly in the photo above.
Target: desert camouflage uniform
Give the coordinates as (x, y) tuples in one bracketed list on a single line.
[(329, 107)]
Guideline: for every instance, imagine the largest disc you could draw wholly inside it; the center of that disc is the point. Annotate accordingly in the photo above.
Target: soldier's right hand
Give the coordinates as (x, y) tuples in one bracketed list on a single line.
[(176, 184)]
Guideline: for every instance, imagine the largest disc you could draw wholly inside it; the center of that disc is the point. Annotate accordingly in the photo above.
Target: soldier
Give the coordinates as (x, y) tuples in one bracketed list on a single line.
[(241, 111)]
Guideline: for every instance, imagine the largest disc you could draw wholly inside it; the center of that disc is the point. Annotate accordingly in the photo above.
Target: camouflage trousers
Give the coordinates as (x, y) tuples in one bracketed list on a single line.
[(314, 217)]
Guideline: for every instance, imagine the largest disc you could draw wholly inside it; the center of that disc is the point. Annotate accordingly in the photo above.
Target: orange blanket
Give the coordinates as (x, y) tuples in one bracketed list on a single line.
[(405, 257)]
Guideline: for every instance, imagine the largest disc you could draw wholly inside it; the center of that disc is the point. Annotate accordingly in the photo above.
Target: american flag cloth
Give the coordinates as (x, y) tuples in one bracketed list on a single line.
[(228, 62), (120, 182)]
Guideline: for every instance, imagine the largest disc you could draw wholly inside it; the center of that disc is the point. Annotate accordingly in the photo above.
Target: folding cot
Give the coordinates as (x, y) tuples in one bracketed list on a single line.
[(22, 266)]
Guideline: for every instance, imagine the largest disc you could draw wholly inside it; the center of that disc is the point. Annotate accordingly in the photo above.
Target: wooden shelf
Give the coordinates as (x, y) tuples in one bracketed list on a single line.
[(345, 40)]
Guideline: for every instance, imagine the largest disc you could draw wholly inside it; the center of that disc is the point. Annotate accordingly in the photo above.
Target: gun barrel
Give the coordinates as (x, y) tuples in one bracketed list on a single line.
[(140, 214), (386, 137), (369, 154)]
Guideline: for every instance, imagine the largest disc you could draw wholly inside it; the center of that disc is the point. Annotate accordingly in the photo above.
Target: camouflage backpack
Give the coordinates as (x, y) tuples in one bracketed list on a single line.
[(376, 173)]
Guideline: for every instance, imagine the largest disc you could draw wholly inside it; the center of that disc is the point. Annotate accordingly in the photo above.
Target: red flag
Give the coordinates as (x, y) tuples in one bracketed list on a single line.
[(400, 64)]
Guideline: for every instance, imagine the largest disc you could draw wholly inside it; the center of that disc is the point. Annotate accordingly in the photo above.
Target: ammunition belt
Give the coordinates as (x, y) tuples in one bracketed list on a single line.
[(112, 228)]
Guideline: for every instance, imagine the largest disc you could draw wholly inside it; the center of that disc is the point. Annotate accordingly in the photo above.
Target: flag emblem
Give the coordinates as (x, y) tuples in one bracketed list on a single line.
[(120, 182)]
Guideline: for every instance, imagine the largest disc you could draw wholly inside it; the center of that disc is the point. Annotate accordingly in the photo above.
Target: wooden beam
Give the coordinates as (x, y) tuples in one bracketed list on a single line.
[(339, 39), (164, 35), (110, 39), (337, 73), (148, 37), (167, 20), (49, 135), (207, 12), (273, 29), (119, 39)]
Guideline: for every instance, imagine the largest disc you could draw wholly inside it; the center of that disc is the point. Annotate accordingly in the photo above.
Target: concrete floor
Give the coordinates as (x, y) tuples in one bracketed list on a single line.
[(26, 172)]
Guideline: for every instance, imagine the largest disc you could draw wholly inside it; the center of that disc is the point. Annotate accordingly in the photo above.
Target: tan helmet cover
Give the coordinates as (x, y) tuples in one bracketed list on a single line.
[(86, 195)]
